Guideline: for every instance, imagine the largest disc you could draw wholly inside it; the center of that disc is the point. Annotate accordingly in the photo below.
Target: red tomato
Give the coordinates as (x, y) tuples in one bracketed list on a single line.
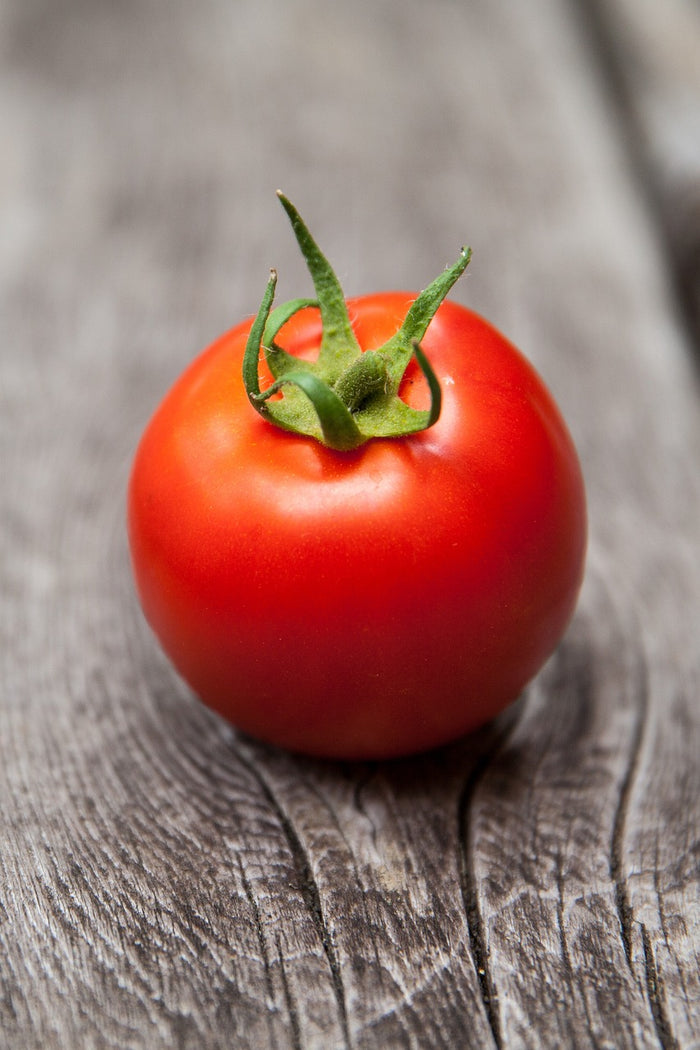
[(370, 603)]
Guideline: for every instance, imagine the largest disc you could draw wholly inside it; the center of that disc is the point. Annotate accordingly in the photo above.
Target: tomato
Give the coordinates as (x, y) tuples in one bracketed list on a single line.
[(365, 603)]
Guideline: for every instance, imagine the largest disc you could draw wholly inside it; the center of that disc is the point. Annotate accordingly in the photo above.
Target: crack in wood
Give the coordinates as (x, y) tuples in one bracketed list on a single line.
[(309, 891), (478, 946), (657, 1001), (259, 929), (291, 1006), (622, 902), (563, 942), (467, 877)]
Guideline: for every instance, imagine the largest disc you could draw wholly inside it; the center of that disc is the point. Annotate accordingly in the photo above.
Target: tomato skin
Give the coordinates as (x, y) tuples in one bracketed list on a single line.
[(363, 604)]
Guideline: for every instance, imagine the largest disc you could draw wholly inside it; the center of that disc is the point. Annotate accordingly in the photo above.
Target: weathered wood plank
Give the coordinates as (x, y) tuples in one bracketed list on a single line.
[(652, 53), (165, 882)]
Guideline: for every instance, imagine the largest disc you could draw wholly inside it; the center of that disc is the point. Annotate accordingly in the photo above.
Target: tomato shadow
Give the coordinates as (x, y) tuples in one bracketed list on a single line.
[(458, 765)]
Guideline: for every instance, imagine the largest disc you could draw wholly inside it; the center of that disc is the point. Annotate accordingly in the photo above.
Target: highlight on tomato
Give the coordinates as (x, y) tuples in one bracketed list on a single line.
[(358, 527)]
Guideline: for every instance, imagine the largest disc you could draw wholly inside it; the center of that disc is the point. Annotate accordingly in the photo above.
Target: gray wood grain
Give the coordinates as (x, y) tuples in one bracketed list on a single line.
[(165, 882)]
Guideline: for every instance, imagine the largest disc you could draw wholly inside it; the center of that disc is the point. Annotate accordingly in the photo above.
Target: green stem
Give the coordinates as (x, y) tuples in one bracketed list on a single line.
[(366, 376), (344, 397)]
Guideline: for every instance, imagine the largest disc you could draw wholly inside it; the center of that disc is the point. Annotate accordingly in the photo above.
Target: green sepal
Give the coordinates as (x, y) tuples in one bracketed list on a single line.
[(251, 356), (339, 429), (399, 349), (278, 360), (433, 384), (339, 346)]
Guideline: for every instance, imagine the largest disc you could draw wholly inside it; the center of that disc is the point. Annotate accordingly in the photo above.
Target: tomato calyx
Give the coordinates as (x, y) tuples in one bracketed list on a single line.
[(346, 396)]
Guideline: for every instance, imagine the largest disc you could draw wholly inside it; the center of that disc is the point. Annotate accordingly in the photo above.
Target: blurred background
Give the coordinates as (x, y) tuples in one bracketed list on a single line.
[(141, 144)]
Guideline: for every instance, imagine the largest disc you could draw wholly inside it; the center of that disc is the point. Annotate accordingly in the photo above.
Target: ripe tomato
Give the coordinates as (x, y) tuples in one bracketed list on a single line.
[(365, 603)]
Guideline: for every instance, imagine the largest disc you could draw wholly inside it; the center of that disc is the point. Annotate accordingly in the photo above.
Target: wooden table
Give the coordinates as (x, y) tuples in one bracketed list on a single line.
[(166, 883)]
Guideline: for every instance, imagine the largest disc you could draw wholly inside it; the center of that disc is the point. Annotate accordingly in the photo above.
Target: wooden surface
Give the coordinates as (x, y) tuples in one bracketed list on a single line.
[(165, 883)]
